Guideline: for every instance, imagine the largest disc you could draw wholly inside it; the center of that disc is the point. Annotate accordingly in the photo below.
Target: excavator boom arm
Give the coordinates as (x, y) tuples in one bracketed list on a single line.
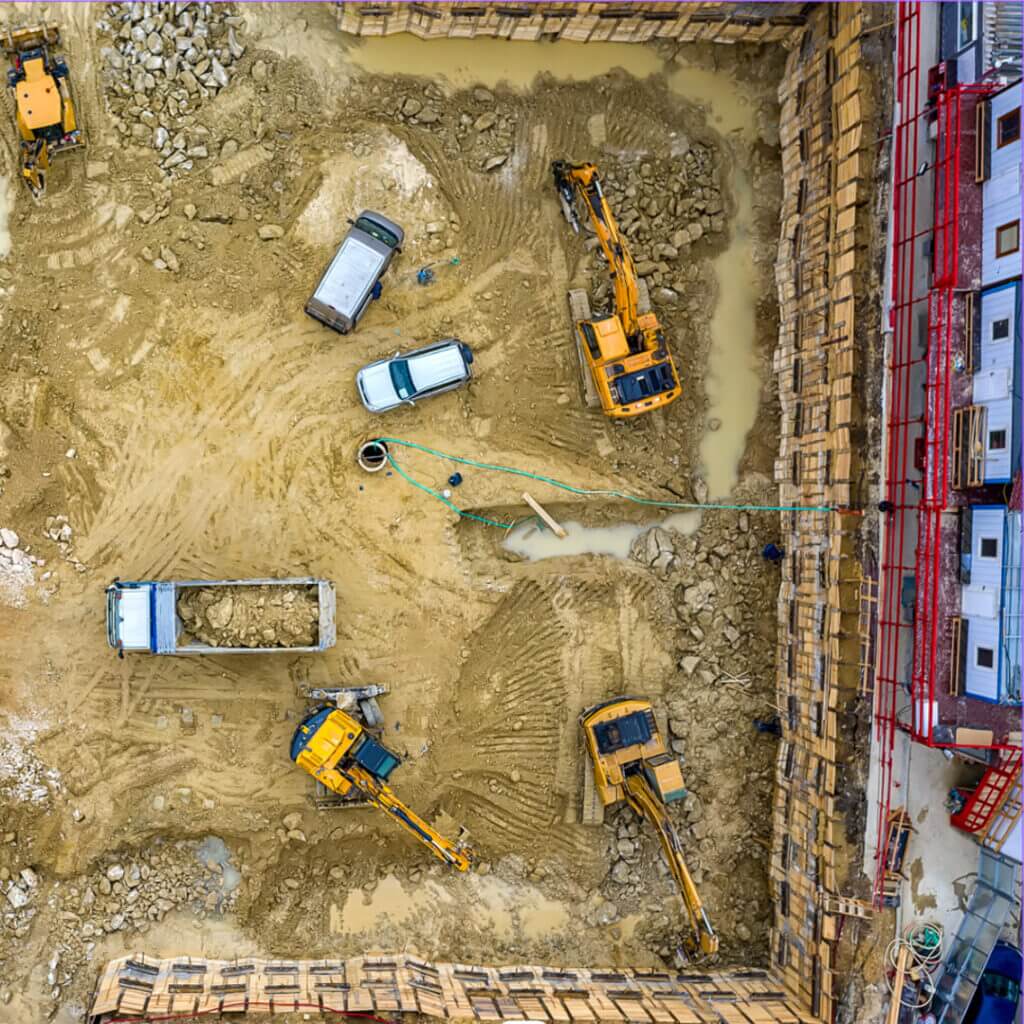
[(640, 797), (383, 797), (581, 182)]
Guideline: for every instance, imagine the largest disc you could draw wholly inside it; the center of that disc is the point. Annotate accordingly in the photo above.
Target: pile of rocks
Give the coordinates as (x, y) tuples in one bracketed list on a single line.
[(19, 895), (663, 207), (250, 616), (164, 62), (483, 133), (17, 569), (58, 529), (129, 896)]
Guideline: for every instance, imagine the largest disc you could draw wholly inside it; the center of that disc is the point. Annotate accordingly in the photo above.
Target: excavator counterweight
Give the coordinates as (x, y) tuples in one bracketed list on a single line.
[(632, 764), (340, 753), (628, 369)]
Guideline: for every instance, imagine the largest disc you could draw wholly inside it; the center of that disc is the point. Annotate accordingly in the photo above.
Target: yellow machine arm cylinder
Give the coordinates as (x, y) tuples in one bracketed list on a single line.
[(587, 184), (639, 796), (383, 797)]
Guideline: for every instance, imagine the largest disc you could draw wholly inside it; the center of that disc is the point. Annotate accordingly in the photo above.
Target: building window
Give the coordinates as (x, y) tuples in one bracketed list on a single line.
[(1007, 239), (984, 657), (989, 547), (997, 440), (966, 24), (1008, 128), (1001, 329)]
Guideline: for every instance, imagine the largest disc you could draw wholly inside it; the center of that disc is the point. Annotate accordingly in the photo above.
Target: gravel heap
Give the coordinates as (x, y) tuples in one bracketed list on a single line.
[(663, 207), (165, 60)]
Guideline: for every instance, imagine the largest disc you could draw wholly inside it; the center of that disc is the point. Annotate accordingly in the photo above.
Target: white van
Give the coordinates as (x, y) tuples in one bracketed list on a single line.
[(350, 282)]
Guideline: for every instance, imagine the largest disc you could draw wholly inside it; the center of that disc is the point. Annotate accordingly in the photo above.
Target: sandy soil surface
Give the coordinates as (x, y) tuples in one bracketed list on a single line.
[(168, 412)]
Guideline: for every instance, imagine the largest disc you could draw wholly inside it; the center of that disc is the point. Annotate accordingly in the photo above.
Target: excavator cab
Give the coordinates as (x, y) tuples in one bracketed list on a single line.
[(320, 739)]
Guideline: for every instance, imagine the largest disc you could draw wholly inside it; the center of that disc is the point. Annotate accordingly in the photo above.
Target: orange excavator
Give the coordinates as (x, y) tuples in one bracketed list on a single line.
[(44, 109), (627, 367), (340, 752), (632, 764)]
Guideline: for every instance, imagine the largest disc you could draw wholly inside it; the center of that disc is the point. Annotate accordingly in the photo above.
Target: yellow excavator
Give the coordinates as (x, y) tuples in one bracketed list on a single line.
[(631, 763), (339, 752), (627, 367), (44, 109)]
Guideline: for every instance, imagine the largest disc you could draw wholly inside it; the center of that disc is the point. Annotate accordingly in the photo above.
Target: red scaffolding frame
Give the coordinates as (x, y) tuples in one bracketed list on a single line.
[(918, 440), (899, 422)]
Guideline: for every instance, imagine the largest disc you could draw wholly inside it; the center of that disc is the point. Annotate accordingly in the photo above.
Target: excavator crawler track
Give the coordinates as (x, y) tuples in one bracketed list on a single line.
[(579, 309), (643, 296), (591, 808)]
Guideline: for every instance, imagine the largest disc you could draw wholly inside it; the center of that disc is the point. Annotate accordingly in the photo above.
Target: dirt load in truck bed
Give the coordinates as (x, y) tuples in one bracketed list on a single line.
[(249, 616)]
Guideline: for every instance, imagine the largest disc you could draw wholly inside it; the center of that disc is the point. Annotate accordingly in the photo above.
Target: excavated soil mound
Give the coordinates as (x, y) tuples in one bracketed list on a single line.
[(250, 616)]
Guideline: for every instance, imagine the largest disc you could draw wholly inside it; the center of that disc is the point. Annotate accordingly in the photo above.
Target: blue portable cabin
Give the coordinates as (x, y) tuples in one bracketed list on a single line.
[(990, 605)]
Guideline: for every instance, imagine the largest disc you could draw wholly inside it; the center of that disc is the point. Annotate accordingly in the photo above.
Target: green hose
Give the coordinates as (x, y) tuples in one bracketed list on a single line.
[(565, 487)]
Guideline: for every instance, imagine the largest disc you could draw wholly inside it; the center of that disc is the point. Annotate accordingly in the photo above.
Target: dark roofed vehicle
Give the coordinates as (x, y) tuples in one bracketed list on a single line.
[(998, 993), (349, 283)]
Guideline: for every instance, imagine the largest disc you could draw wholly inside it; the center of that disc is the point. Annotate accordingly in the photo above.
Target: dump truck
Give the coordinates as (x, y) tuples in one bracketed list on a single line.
[(342, 755), (257, 616), (624, 356), (631, 763), (44, 111)]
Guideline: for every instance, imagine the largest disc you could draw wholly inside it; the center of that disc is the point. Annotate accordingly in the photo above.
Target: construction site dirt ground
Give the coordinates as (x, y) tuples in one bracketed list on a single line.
[(177, 416)]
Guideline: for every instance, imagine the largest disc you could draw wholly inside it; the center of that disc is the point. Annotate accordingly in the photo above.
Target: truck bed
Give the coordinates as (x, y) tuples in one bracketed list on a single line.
[(224, 616)]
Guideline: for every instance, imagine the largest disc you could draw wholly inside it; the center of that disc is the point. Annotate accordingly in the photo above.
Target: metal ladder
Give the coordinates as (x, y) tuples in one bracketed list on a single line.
[(987, 911), (987, 798)]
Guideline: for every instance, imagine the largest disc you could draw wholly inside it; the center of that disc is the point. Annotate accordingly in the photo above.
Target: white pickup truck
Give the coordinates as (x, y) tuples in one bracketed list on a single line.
[(221, 616)]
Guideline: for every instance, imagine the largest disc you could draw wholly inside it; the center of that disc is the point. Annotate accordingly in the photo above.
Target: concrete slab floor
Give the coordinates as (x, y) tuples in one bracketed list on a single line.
[(941, 861)]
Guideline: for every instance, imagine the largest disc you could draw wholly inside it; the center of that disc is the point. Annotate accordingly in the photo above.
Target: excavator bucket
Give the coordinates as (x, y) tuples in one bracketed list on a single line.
[(28, 37), (566, 194)]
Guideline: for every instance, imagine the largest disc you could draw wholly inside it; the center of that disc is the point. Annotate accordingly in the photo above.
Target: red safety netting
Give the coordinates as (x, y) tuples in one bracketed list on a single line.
[(918, 580)]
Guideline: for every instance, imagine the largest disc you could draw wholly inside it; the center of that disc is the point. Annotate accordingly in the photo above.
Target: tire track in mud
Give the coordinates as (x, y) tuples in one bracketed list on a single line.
[(551, 647), (167, 489), (510, 703)]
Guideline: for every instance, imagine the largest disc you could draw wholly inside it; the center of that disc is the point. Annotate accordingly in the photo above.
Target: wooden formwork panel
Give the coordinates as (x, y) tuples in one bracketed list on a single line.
[(820, 272), (138, 985), (589, 22)]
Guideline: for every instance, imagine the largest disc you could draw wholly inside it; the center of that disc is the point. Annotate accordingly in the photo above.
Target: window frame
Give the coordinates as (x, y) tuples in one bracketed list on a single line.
[(1000, 142), (999, 432), (977, 658), (994, 542), (1000, 253), (1001, 337), (961, 42)]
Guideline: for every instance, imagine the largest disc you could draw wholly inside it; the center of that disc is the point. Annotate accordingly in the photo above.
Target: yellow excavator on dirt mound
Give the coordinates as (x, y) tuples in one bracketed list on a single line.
[(627, 367), (44, 111), (339, 752), (632, 764)]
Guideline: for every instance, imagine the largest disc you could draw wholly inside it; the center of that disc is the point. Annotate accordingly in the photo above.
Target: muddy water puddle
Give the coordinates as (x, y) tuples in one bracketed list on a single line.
[(732, 382), (536, 542), (214, 850), (727, 106), (468, 62)]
